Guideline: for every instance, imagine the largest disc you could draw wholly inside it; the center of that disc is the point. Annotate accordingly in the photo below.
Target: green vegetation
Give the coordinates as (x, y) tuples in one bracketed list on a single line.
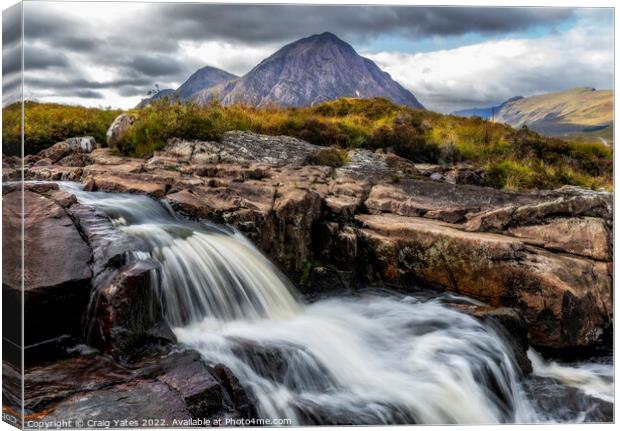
[(48, 123), (513, 159), (333, 157)]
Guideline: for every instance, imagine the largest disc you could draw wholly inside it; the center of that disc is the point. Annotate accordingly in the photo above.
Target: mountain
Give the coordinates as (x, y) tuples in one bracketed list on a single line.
[(485, 113), (309, 71), (202, 79), (166, 92), (576, 111), (571, 111)]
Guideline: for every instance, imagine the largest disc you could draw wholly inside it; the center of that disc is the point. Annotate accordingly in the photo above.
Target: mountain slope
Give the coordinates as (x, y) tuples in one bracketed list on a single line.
[(575, 110), (309, 71), (166, 92), (202, 79), (485, 113)]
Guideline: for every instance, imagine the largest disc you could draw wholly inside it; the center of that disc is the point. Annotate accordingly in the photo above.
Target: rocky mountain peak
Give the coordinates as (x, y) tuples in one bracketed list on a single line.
[(308, 71)]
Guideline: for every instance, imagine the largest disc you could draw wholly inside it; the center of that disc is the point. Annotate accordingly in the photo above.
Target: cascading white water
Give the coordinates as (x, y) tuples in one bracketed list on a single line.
[(369, 359), (594, 379)]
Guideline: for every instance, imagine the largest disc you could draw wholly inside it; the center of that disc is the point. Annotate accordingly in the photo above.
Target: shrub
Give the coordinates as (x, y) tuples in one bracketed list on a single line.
[(328, 157), (49, 123), (162, 120), (407, 139)]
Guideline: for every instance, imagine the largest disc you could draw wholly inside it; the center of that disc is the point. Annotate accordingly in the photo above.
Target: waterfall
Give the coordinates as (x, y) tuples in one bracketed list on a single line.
[(365, 359)]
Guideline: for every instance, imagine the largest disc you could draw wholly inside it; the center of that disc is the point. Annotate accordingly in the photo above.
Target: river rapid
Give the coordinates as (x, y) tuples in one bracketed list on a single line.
[(369, 358)]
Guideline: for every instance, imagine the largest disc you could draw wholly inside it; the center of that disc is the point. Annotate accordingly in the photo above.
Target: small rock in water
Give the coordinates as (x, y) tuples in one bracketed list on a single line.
[(436, 176)]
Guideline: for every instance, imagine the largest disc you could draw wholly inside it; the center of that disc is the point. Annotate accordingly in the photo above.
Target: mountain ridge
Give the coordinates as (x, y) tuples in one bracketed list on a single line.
[(572, 111)]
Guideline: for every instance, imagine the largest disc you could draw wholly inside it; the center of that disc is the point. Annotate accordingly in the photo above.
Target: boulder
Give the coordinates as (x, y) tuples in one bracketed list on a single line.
[(56, 285), (161, 386), (326, 279), (119, 129), (83, 144), (56, 151), (128, 308)]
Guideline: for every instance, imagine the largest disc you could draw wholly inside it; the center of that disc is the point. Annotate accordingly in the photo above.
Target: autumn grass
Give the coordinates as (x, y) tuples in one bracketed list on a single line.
[(513, 159), (46, 124)]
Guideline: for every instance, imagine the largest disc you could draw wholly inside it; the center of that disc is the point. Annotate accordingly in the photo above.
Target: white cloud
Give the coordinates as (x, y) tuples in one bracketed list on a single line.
[(234, 58), (486, 73)]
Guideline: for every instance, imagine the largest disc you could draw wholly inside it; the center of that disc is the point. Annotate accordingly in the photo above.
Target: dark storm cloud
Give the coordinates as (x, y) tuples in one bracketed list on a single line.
[(81, 83), (259, 24), (155, 65), (11, 25), (34, 59), (145, 48), (40, 58), (11, 83), (61, 31), (88, 94)]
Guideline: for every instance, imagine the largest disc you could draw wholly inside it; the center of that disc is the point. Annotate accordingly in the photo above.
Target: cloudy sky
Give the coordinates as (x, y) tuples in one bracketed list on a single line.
[(111, 54)]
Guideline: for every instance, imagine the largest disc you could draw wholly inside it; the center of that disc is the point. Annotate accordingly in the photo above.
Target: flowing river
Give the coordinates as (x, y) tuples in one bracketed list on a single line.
[(365, 359)]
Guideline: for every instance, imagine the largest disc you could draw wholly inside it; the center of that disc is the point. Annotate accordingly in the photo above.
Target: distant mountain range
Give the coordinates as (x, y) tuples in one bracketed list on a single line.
[(306, 72), (485, 113), (575, 111)]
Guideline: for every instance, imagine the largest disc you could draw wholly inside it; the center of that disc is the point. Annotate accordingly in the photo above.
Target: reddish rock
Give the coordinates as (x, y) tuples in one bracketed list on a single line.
[(127, 308), (565, 299), (586, 236), (129, 184), (57, 285)]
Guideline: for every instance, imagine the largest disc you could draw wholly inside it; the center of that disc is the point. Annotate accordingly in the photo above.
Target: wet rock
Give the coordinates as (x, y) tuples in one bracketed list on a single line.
[(511, 325), (243, 402), (281, 363), (564, 403), (295, 213), (93, 386), (134, 400), (119, 129), (47, 384), (325, 279), (127, 309), (204, 396), (57, 285)]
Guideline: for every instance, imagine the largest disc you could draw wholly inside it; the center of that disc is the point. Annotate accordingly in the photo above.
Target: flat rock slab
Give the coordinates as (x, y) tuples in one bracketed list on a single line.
[(566, 299)]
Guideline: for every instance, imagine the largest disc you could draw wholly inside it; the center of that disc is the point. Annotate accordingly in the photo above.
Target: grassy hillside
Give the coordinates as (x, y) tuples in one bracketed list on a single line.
[(514, 159), (576, 110), (48, 123)]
